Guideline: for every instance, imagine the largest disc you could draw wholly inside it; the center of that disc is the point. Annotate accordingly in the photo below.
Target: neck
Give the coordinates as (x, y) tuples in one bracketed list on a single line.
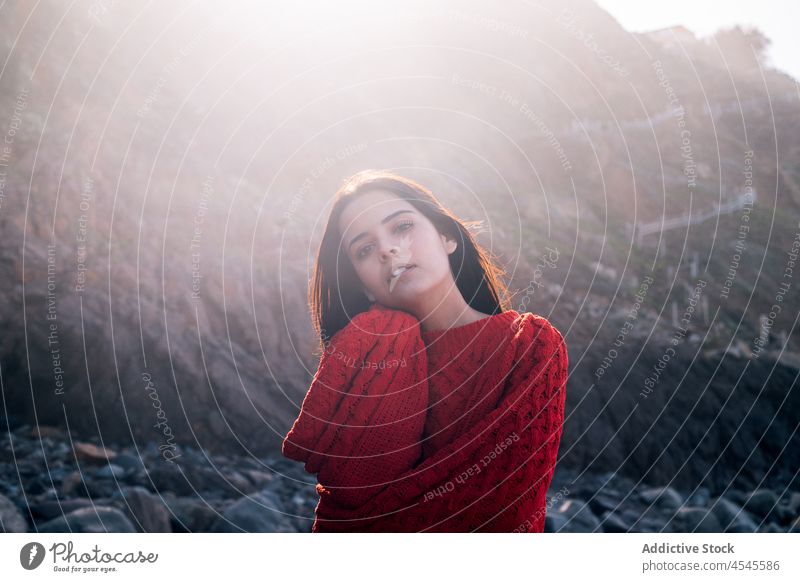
[(446, 312)]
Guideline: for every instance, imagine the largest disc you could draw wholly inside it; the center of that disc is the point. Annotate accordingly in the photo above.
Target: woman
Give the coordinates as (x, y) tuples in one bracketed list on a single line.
[(435, 407)]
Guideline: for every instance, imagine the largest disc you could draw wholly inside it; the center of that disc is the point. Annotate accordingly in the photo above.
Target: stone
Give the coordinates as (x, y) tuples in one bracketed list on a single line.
[(696, 520), (168, 477), (783, 515), (258, 478), (89, 520), (110, 471), (188, 515), (553, 522), (575, 516), (43, 431), (11, 518), (601, 502), (92, 454), (700, 498), (147, 511), (761, 502), (128, 462), (47, 510), (612, 522), (260, 512), (653, 525), (794, 503), (71, 484), (239, 482), (665, 497), (731, 517), (795, 527), (99, 487)]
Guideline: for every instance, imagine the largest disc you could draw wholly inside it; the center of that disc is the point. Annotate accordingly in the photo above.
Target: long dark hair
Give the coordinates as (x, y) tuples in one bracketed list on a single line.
[(335, 293)]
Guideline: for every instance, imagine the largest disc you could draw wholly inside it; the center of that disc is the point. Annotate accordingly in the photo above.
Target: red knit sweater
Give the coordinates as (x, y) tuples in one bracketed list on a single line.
[(449, 431)]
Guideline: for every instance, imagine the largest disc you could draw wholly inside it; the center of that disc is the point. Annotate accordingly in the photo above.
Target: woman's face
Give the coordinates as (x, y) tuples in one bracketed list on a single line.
[(382, 233)]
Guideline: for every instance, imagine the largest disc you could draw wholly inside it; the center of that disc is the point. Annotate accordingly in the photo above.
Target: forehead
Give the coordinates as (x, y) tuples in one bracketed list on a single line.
[(365, 212)]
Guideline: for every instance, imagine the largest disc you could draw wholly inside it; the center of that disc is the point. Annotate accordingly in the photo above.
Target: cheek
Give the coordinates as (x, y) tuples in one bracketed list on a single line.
[(430, 255), (369, 272)]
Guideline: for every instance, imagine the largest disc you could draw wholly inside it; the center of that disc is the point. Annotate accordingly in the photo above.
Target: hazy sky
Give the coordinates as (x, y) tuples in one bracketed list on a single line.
[(777, 19)]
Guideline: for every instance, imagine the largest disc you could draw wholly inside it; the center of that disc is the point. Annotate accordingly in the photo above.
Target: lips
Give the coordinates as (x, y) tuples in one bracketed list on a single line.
[(395, 275)]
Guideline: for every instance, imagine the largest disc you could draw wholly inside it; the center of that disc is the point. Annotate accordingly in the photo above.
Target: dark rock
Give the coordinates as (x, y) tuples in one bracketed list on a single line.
[(128, 462), (761, 503), (99, 487), (207, 476), (189, 515), (783, 515), (574, 515), (11, 518), (738, 497), (700, 498), (147, 511), (731, 517), (240, 483), (168, 477), (259, 478), (794, 503), (612, 522), (795, 527), (602, 502), (696, 520), (89, 520), (653, 525), (92, 454), (46, 432), (36, 486), (665, 497), (553, 522), (73, 484), (51, 509), (261, 512), (110, 471)]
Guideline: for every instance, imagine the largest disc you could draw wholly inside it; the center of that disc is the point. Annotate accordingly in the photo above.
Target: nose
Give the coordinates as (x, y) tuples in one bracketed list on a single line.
[(388, 253)]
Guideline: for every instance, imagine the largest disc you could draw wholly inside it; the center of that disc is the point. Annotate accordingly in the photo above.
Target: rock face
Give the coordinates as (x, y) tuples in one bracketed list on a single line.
[(216, 493)]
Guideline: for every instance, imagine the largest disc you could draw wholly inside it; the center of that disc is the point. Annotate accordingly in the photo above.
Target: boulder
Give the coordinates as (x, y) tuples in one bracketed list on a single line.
[(11, 518), (761, 503), (92, 454), (260, 512), (731, 517), (147, 511), (576, 516), (89, 520), (696, 520), (665, 497)]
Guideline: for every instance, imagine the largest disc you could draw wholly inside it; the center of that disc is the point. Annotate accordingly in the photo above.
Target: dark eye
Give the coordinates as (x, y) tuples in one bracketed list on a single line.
[(400, 227), (361, 254), (404, 226)]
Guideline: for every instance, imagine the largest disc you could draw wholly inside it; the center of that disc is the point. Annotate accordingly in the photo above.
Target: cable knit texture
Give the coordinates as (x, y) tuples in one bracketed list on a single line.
[(452, 430)]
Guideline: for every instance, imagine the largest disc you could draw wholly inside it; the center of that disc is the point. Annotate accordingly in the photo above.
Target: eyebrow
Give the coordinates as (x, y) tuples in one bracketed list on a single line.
[(384, 221)]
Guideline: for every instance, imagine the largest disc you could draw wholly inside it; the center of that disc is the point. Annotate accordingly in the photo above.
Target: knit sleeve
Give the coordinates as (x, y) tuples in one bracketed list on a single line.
[(540, 418), (495, 476), (361, 421)]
